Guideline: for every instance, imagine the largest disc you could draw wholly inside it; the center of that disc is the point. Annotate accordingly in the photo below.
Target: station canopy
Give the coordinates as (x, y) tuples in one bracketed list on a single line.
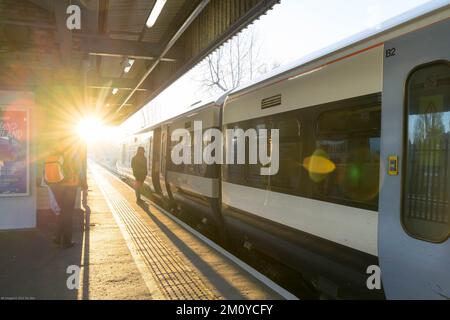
[(39, 53)]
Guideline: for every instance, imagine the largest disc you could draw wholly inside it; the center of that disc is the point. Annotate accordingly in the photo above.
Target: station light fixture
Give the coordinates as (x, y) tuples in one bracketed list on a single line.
[(127, 64), (154, 14), (115, 90)]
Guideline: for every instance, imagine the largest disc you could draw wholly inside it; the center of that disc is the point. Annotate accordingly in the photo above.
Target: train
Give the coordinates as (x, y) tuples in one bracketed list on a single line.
[(363, 180)]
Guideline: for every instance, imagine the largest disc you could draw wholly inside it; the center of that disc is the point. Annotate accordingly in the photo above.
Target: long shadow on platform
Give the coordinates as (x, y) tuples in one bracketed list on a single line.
[(221, 284)]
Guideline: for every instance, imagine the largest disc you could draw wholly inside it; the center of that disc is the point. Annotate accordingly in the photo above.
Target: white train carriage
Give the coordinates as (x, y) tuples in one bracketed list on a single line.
[(195, 188), (320, 213), (364, 151)]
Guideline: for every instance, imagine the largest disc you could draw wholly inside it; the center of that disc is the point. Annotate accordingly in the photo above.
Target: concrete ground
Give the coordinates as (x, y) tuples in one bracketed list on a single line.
[(123, 251)]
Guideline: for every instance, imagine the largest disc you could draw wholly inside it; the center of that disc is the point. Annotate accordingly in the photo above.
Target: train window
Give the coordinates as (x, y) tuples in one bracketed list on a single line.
[(234, 173), (131, 153), (253, 171), (344, 165), (349, 120), (150, 153), (210, 171), (200, 170), (190, 168), (204, 170), (164, 152), (290, 149), (123, 155), (426, 208)]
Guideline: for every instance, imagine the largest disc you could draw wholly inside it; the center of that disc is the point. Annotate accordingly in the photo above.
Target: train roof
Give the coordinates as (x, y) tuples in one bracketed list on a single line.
[(201, 107), (347, 43)]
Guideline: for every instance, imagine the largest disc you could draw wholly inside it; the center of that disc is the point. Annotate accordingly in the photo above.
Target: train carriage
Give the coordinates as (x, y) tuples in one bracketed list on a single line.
[(195, 188), (363, 179)]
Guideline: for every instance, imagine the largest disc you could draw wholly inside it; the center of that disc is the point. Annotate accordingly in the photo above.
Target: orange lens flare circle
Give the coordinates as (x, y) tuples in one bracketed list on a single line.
[(319, 165)]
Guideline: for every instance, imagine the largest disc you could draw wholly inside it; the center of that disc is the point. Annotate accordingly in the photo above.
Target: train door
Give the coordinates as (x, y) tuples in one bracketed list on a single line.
[(163, 162), (150, 160), (414, 219), (156, 160)]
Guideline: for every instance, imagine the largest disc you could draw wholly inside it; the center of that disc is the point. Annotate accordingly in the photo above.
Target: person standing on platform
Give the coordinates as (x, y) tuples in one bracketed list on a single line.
[(139, 166), (65, 175)]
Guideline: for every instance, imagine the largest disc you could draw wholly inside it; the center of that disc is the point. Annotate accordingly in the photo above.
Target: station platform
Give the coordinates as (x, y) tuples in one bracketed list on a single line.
[(125, 251)]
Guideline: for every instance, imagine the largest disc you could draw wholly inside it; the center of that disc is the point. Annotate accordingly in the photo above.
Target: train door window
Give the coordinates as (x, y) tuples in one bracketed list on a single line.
[(212, 171), (290, 148), (171, 165), (123, 155), (150, 152), (203, 169), (253, 171), (233, 173), (426, 207), (344, 165), (163, 152), (131, 153), (190, 168)]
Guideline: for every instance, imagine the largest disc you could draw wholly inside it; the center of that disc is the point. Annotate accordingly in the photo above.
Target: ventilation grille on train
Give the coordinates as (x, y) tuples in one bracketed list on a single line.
[(271, 102)]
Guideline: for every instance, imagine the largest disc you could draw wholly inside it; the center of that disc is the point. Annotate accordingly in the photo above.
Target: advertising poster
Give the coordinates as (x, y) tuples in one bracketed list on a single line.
[(13, 153)]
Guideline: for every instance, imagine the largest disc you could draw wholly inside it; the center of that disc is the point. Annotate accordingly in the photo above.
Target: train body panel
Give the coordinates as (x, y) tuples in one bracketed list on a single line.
[(352, 227), (352, 77), (202, 186)]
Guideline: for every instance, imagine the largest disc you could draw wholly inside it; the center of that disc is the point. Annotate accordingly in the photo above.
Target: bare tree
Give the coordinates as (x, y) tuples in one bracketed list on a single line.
[(233, 64)]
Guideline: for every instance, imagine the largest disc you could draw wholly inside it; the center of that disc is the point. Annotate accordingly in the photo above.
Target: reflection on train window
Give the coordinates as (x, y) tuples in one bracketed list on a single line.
[(344, 166), (180, 168), (290, 151), (344, 161), (233, 173), (349, 120), (210, 171), (253, 171), (150, 152), (164, 150), (190, 168), (123, 155), (131, 152), (426, 209), (200, 170)]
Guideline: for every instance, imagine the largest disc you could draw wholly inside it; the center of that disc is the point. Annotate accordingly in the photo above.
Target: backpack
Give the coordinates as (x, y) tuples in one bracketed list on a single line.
[(53, 169)]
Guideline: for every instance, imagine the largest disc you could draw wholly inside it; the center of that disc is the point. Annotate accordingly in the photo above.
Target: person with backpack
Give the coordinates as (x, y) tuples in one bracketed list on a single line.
[(64, 173), (139, 166)]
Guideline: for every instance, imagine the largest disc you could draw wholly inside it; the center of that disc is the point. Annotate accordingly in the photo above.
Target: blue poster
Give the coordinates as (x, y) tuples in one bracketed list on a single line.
[(13, 153)]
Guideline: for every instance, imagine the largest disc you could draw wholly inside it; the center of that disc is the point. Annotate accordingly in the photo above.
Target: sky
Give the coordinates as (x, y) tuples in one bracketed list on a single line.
[(293, 29)]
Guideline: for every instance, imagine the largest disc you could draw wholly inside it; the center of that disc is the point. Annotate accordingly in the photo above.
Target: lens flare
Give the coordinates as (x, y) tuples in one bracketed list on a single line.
[(319, 165), (92, 129), (359, 179)]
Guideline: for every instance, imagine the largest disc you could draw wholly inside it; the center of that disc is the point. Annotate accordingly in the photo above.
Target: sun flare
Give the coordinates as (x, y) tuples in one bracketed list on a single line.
[(93, 129)]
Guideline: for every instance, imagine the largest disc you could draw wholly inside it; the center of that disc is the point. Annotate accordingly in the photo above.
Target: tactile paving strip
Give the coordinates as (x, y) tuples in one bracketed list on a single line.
[(175, 279)]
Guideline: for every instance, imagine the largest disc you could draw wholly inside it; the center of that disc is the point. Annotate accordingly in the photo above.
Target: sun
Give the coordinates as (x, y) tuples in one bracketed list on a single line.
[(92, 129)]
